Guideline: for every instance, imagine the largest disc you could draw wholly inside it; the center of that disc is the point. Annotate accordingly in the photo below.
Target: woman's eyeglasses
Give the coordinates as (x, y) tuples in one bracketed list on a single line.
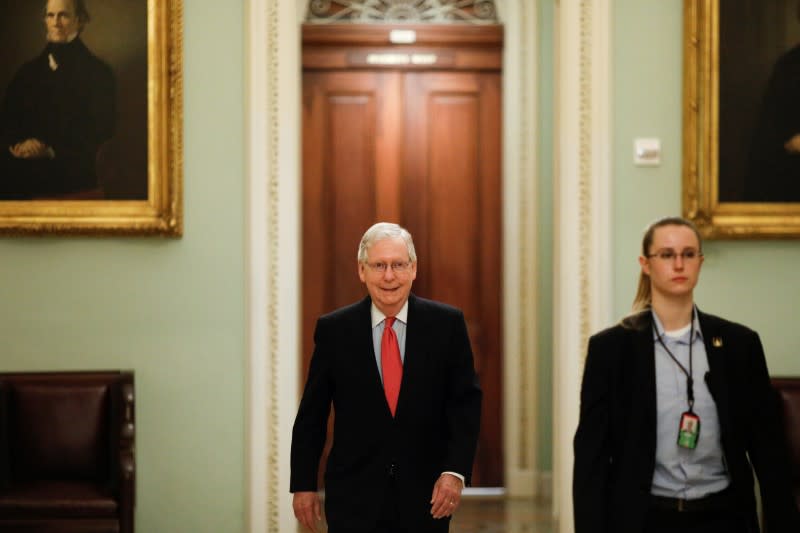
[(670, 255)]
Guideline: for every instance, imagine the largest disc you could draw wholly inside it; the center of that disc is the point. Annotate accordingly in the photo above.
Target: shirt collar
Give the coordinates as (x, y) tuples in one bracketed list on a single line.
[(659, 328), (378, 316)]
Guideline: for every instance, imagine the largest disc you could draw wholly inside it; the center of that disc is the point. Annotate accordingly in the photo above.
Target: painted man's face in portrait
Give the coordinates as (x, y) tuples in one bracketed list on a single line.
[(61, 21)]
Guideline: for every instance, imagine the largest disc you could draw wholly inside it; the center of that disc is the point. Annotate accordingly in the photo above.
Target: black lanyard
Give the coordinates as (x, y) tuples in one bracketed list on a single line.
[(689, 379)]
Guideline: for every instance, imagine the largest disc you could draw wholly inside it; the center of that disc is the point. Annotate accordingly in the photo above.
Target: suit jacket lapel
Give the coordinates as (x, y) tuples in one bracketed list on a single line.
[(416, 353), (716, 382), (645, 379), (365, 349)]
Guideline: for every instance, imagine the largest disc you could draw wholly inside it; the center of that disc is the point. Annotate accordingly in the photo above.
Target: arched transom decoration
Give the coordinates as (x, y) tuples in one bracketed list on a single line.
[(417, 11)]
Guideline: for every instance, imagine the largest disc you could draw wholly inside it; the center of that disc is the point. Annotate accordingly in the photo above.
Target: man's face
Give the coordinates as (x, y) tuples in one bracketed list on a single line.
[(389, 289), (61, 21)]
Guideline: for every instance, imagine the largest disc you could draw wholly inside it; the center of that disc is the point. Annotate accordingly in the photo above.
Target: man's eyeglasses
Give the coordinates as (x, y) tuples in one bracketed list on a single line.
[(670, 255), (398, 267)]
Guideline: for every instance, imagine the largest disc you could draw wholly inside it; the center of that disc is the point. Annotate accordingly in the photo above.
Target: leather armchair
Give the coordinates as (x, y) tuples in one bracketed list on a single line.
[(67, 452), (788, 389)]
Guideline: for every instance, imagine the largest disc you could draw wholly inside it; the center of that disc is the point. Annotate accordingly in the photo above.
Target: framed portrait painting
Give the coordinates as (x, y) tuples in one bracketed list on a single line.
[(741, 117), (91, 117)]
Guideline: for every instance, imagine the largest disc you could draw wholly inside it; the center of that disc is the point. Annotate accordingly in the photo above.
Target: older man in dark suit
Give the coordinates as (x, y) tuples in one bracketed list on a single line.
[(57, 111), (399, 372)]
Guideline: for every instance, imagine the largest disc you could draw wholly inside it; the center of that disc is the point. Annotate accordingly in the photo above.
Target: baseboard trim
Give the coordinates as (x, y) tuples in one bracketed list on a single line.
[(484, 493), (537, 485), (544, 485)]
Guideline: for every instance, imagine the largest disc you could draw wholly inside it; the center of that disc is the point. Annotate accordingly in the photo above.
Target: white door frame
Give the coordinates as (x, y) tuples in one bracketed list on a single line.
[(272, 107), (582, 250)]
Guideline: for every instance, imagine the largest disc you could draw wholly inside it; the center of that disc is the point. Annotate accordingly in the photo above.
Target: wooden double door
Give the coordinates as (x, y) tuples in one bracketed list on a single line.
[(420, 147)]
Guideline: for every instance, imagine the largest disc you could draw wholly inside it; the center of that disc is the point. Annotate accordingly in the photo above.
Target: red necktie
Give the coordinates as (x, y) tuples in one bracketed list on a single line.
[(391, 365)]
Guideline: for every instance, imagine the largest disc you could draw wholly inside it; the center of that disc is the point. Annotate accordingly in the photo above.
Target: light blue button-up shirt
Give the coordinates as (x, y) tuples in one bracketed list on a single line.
[(681, 472), (399, 328)]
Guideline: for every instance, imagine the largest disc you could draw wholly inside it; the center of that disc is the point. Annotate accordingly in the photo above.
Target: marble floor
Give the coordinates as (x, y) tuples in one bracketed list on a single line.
[(503, 515), (497, 514)]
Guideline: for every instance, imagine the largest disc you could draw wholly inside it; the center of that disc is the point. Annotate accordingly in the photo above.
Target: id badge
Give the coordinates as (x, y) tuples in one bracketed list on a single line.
[(689, 430)]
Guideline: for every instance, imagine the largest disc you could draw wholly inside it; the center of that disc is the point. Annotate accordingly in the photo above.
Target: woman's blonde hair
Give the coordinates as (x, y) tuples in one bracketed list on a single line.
[(644, 297)]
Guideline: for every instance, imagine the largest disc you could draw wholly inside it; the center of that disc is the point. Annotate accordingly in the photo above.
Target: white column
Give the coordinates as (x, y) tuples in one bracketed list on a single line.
[(520, 162), (582, 203), (272, 111)]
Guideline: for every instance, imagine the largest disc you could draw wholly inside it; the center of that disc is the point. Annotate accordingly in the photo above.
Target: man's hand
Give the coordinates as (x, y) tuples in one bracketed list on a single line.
[(446, 496), (307, 509), (31, 149), (793, 145)]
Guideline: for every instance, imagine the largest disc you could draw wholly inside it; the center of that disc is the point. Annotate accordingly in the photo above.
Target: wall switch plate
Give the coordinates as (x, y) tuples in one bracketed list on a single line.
[(646, 152)]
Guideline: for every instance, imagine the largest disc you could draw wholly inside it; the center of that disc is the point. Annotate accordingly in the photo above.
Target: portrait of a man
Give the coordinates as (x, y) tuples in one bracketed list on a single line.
[(774, 162), (73, 115), (759, 112), (57, 111)]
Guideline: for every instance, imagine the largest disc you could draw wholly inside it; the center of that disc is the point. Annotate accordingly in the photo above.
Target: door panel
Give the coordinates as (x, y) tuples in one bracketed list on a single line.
[(346, 146), (421, 149), (452, 153)]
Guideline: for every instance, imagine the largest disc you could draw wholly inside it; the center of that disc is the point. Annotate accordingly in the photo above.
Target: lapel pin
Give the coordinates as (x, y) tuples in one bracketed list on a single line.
[(717, 342)]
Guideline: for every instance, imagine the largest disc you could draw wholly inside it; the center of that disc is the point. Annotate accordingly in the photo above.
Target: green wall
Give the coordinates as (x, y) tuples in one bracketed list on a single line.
[(170, 309), (544, 206), (753, 282)]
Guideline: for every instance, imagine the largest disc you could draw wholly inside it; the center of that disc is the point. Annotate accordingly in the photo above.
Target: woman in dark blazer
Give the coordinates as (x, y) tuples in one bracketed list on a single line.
[(676, 411)]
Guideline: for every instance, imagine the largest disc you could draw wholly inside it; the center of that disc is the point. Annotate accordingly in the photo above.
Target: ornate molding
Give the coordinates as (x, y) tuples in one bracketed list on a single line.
[(583, 187), (526, 258), (426, 11), (521, 261), (272, 260), (585, 171), (273, 132)]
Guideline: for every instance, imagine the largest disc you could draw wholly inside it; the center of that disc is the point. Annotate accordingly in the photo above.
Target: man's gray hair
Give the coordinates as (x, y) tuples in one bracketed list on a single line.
[(81, 12), (385, 230)]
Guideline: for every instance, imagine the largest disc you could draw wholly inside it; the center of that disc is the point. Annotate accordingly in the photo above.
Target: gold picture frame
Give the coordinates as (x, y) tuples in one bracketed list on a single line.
[(715, 183), (156, 209)]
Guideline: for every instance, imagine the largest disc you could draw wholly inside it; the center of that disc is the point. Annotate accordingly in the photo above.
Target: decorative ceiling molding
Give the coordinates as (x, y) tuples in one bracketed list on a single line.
[(393, 11)]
